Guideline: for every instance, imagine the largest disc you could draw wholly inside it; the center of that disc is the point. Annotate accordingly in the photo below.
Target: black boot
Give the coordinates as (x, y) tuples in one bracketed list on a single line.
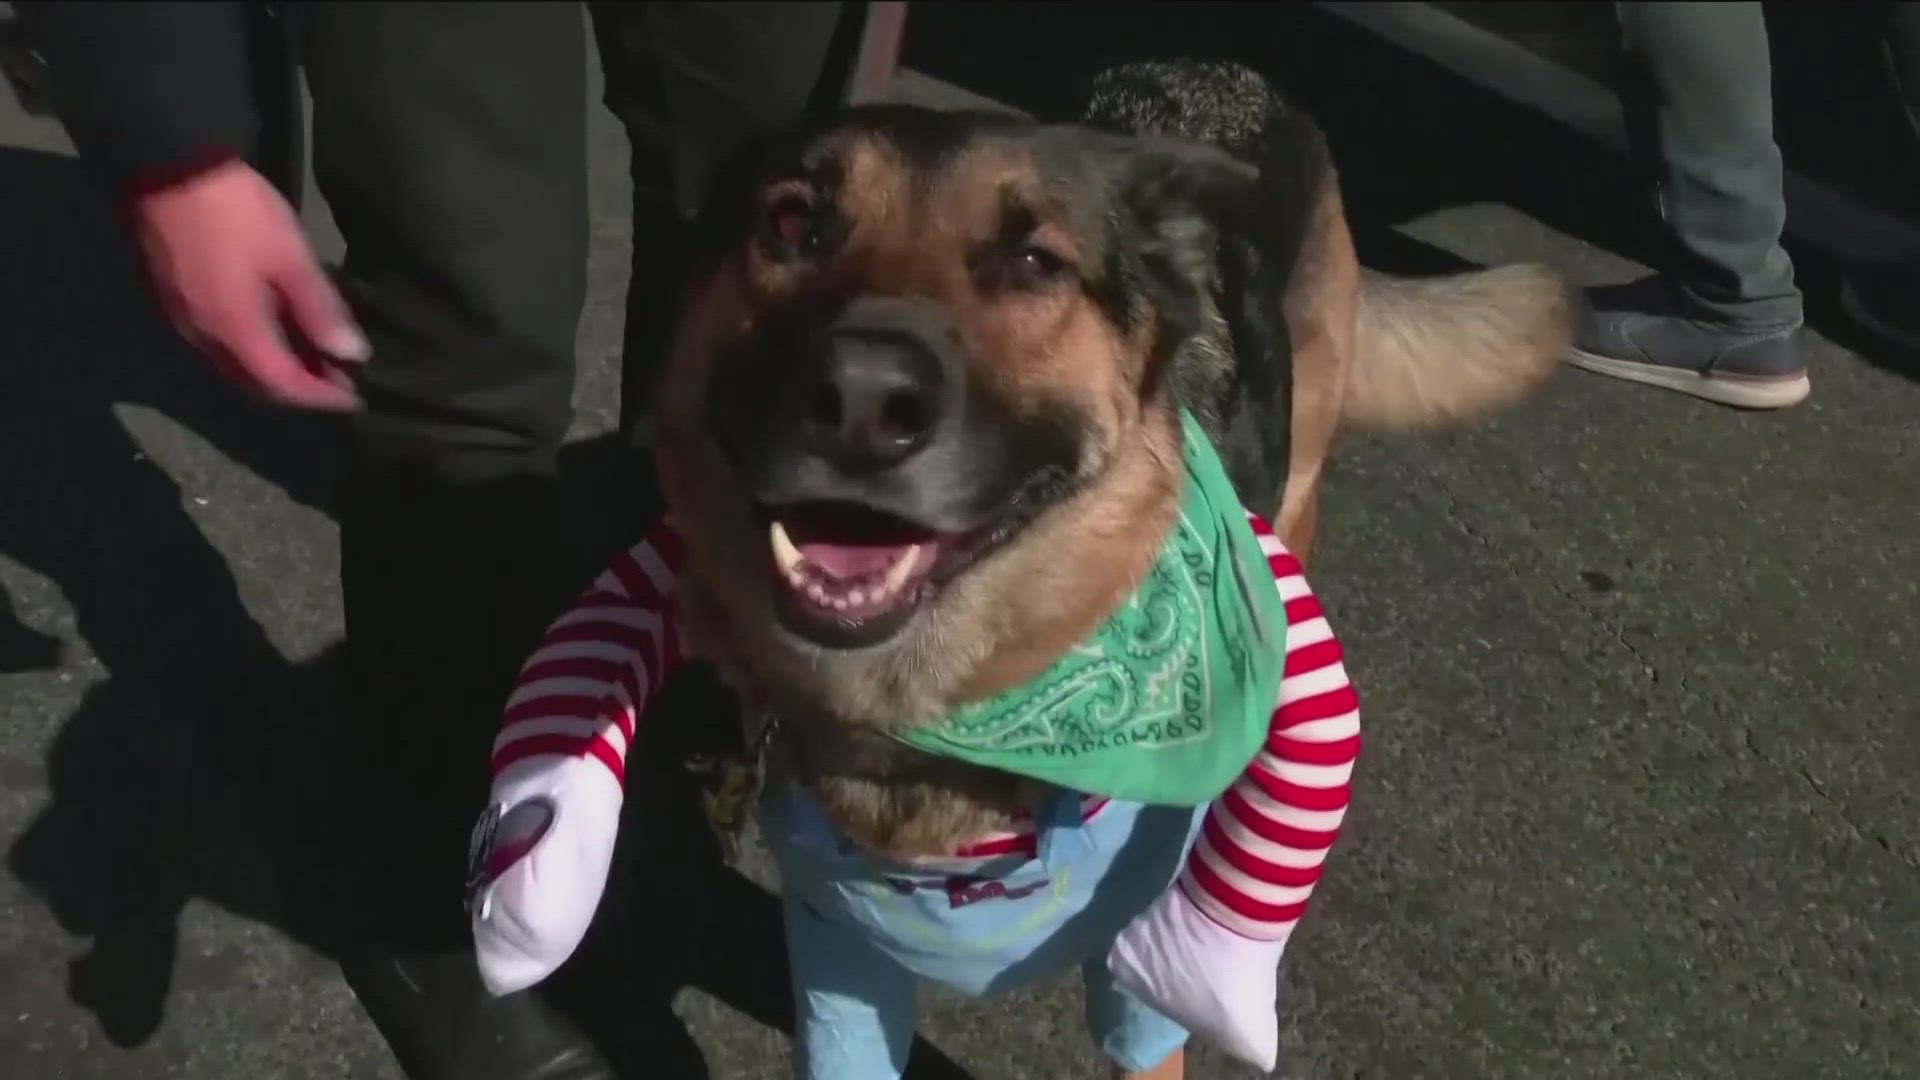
[(412, 963), (448, 591)]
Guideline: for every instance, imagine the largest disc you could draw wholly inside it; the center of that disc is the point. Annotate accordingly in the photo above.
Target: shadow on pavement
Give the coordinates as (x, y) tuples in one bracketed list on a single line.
[(22, 648), (196, 767), (205, 765)]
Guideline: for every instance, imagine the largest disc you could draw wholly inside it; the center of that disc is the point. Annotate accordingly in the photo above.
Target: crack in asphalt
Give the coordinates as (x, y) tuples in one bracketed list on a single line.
[(1867, 835), (1455, 514)]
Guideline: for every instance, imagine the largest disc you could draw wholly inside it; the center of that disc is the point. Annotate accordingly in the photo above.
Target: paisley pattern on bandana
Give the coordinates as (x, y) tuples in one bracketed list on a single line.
[(1168, 700)]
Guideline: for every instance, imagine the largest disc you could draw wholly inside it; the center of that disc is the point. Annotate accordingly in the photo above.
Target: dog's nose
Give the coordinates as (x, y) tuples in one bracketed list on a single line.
[(875, 401)]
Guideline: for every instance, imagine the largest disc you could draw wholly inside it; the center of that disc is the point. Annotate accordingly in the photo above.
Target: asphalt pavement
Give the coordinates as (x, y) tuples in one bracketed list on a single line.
[(1639, 673)]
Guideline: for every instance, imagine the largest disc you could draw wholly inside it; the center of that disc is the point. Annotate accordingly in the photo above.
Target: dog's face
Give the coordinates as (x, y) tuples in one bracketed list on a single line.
[(920, 383)]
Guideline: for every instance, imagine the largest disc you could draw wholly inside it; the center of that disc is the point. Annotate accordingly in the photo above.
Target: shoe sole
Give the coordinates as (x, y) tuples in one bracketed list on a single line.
[(1739, 391)]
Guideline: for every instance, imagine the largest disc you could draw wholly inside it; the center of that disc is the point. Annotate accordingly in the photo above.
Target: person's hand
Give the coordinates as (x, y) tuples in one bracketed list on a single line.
[(232, 268)]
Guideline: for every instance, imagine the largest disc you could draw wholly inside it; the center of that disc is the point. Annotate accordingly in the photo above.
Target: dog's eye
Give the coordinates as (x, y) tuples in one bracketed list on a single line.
[(793, 226), (1036, 266)]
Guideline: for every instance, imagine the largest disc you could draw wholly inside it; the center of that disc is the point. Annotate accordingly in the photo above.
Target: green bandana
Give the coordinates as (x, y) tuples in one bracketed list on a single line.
[(1169, 699)]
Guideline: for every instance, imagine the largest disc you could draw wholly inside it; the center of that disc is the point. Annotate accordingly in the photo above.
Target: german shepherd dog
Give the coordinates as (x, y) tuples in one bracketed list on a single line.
[(919, 424)]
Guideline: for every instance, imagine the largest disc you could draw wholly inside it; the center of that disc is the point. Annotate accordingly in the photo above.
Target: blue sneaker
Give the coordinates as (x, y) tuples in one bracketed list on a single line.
[(1641, 332)]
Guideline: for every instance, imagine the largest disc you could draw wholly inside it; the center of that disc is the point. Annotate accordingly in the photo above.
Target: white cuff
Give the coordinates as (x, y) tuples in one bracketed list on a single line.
[(1219, 985), (532, 909)]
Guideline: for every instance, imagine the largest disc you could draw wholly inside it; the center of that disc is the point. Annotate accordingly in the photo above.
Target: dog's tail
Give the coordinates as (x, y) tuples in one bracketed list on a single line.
[(1433, 350)]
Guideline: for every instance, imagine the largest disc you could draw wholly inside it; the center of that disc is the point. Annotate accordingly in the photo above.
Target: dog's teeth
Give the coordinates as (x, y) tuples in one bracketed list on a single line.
[(841, 603), (817, 594), (785, 555), (859, 598), (796, 575), (897, 573)]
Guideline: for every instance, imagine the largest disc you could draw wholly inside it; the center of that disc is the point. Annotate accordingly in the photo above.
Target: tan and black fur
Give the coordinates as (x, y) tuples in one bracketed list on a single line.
[(1203, 259), (1368, 349)]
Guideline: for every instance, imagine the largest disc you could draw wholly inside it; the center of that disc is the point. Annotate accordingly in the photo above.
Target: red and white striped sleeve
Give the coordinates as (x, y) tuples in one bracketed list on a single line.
[(1261, 847), (585, 689), (541, 853)]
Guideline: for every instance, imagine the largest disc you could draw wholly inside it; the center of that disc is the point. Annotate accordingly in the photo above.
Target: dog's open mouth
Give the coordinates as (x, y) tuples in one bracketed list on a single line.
[(848, 575)]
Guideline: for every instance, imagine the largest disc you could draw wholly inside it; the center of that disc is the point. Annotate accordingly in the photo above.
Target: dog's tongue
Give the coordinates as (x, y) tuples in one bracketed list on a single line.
[(852, 561)]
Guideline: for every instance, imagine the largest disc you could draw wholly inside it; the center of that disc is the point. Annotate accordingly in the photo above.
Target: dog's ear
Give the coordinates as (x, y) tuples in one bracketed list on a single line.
[(1168, 177), (1183, 204)]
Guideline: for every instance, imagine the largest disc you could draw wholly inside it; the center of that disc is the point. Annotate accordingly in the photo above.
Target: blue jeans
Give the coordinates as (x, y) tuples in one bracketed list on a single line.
[(861, 931), (1700, 111)]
